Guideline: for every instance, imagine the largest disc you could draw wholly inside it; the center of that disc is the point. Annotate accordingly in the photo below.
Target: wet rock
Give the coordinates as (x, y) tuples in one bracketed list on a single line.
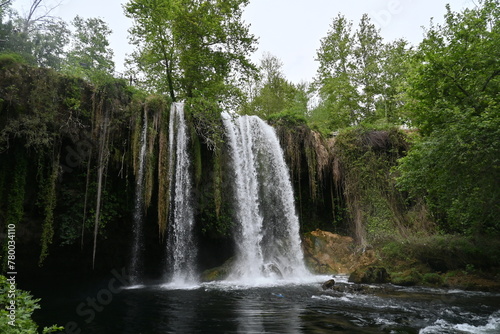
[(343, 288), (272, 269), (329, 253), (328, 284), (407, 278), (218, 273), (370, 275)]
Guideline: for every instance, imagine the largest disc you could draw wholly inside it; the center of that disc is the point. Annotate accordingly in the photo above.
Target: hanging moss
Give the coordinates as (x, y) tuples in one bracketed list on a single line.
[(155, 106), (217, 180), (196, 157), (15, 199), (47, 196), (364, 158), (163, 178)]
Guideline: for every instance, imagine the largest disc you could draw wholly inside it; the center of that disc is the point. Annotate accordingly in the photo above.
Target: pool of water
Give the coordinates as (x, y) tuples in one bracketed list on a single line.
[(266, 307)]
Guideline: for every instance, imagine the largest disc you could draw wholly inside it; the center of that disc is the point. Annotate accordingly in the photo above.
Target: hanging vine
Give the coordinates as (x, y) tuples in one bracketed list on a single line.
[(163, 179), (102, 119), (48, 200), (15, 198)]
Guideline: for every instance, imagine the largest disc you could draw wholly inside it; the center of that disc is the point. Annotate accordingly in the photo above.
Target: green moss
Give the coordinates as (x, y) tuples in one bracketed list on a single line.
[(47, 197), (432, 279), (406, 278), (15, 198)]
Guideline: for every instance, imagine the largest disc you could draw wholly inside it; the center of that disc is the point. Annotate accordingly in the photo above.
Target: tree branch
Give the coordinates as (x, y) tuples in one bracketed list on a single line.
[(487, 82)]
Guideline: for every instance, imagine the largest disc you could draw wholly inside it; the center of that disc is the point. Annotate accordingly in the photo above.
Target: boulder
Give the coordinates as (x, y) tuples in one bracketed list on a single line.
[(328, 284), (329, 253), (218, 273), (370, 275)]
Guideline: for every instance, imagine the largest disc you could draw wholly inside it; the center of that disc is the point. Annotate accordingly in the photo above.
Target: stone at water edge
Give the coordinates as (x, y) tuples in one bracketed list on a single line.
[(328, 284), (329, 253), (370, 275)]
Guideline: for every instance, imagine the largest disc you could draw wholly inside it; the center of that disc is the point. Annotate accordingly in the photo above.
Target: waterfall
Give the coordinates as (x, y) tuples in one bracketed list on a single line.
[(181, 248), (137, 249), (267, 233)]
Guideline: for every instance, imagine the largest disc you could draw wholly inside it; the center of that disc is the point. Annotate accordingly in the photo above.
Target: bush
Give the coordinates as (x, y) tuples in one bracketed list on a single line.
[(25, 306)]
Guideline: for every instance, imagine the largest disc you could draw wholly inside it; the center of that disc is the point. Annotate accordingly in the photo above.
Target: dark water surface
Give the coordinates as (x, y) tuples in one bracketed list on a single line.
[(270, 308)]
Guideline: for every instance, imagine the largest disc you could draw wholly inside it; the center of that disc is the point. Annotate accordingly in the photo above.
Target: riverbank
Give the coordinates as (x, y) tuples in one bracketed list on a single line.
[(446, 261)]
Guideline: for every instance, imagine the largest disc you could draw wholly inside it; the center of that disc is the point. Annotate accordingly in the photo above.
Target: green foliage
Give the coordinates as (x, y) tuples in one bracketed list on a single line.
[(191, 49), (70, 211), (443, 252), (90, 56), (14, 210), (455, 103), (272, 94), (287, 118), (25, 306), (365, 159), (9, 59), (205, 115), (360, 78), (47, 198)]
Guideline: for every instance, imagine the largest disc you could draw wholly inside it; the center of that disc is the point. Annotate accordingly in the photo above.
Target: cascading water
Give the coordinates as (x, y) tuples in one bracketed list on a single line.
[(267, 236), (181, 248), (137, 248)]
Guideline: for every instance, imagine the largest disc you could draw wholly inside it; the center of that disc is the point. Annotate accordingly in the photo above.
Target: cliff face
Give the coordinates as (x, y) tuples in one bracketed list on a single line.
[(69, 155)]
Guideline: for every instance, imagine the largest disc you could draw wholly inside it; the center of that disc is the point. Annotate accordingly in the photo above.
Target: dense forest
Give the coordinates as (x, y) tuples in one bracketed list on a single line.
[(395, 145)]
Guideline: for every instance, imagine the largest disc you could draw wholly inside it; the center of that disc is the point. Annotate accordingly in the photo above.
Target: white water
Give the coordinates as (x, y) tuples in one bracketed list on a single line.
[(138, 246), (267, 234), (181, 248)]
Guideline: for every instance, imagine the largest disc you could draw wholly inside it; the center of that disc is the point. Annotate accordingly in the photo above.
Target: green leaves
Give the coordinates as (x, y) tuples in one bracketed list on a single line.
[(359, 77), (191, 48), (90, 56), (453, 99)]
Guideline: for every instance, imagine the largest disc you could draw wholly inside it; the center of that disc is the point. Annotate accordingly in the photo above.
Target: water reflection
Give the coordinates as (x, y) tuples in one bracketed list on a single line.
[(225, 308), (264, 311)]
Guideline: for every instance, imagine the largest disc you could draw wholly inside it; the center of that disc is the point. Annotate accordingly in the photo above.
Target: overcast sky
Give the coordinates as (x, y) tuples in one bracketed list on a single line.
[(288, 29)]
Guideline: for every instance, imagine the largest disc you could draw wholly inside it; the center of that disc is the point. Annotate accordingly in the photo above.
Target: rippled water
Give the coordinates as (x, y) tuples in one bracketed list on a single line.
[(268, 308)]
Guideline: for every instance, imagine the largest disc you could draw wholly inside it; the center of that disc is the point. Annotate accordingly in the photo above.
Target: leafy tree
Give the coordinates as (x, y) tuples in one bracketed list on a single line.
[(273, 94), (191, 49), (48, 43), (368, 69), (335, 74), (360, 78), (90, 56), (396, 63), (38, 37), (454, 101)]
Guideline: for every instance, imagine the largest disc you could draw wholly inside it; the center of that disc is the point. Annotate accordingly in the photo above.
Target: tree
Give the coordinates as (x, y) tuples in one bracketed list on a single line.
[(191, 49), (395, 64), (49, 42), (334, 79), (359, 78), (273, 93), (38, 37), (90, 55), (454, 101), (368, 69)]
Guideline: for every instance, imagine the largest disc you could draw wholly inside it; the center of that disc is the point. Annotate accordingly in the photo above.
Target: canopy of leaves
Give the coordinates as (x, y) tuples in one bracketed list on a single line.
[(359, 77), (454, 100), (191, 49)]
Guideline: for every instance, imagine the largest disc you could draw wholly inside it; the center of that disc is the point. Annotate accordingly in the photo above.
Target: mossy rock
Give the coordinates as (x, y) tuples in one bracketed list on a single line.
[(433, 279), (370, 275), (406, 278), (218, 273)]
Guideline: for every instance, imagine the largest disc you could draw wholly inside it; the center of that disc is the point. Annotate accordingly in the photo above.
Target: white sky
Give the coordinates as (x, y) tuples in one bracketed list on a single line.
[(288, 29)]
